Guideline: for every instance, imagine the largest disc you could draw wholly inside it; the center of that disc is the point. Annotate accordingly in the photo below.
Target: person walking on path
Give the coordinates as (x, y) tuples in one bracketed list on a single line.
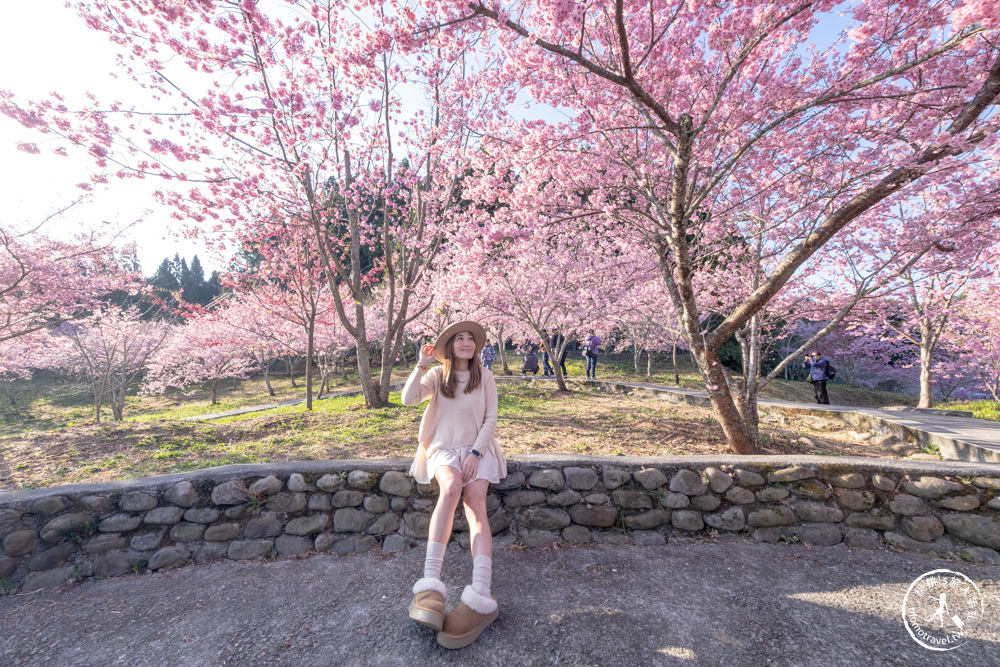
[(546, 366), (458, 449), (819, 372), (488, 355), (529, 363), (591, 346)]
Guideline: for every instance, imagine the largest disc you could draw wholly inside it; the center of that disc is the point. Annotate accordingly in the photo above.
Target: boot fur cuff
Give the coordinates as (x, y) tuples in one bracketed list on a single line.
[(480, 604), (430, 584)]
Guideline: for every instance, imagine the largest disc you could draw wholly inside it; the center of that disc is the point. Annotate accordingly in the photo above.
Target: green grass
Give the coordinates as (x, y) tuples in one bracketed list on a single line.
[(48, 437), (620, 368), (518, 401), (51, 404), (984, 409)]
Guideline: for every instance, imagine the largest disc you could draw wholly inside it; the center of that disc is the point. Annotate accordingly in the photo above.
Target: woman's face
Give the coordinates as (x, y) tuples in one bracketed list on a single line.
[(463, 345)]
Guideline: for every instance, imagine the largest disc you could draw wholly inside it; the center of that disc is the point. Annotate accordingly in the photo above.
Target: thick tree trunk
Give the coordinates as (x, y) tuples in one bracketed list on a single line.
[(502, 351), (731, 421), (267, 379), (731, 417), (649, 363), (118, 406), (117, 410), (926, 398), (557, 367), (370, 388), (215, 386), (929, 334), (750, 416)]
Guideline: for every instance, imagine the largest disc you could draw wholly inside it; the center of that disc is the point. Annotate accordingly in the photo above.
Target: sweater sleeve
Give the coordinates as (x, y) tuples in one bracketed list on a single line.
[(485, 437), (419, 386)]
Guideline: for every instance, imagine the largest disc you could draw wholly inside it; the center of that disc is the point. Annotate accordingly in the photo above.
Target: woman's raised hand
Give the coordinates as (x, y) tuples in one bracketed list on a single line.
[(426, 354)]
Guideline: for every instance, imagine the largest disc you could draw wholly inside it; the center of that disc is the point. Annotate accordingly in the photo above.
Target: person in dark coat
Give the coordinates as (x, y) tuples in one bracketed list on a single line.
[(818, 366), (546, 366), (529, 363)]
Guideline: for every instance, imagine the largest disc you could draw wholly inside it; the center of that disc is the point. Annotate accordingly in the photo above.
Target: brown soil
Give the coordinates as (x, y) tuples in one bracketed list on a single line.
[(550, 422)]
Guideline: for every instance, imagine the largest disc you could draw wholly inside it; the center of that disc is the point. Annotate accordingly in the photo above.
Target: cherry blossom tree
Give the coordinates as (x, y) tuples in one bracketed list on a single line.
[(287, 282), (18, 359), (45, 281), (289, 111), (111, 349), (647, 326), (976, 336), (266, 338), (569, 292), (203, 349), (689, 114), (925, 293)]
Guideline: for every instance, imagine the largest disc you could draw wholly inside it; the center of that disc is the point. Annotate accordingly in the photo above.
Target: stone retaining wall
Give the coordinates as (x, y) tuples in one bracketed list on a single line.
[(49, 536)]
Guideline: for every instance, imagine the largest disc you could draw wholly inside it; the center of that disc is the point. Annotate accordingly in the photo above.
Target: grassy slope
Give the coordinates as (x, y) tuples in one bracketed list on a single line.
[(47, 402), (48, 436), (621, 368)]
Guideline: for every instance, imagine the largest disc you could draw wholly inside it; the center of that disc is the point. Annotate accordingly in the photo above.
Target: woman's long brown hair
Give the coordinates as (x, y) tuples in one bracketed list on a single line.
[(450, 383)]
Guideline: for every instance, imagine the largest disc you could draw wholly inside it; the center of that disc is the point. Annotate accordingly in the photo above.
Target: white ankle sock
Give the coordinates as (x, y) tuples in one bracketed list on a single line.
[(434, 560), (482, 574)]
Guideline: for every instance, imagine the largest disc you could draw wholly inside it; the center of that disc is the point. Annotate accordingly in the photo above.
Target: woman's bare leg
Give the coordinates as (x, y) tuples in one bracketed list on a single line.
[(450, 484), (474, 499)]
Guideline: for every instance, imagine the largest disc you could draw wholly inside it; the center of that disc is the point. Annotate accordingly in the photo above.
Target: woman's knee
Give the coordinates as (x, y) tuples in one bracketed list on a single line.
[(474, 498), (449, 489)]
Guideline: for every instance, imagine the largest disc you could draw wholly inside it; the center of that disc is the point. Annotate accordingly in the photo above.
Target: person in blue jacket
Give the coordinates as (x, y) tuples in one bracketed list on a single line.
[(488, 355), (818, 366)]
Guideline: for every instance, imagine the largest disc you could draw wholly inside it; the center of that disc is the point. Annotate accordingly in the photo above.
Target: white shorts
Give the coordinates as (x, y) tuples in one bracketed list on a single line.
[(453, 458)]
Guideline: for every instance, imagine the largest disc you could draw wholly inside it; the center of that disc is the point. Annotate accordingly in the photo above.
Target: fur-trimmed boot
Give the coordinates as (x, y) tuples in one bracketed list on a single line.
[(427, 607), (468, 620)]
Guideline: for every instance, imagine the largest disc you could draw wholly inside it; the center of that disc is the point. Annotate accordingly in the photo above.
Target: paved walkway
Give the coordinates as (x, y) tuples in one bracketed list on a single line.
[(687, 603)]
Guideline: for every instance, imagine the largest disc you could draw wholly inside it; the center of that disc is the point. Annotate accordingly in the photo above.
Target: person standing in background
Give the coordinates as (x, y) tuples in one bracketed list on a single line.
[(819, 373), (488, 355), (591, 347), (546, 366)]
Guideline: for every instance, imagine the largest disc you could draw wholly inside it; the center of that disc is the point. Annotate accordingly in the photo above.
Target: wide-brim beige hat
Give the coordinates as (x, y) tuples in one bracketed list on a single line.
[(477, 331)]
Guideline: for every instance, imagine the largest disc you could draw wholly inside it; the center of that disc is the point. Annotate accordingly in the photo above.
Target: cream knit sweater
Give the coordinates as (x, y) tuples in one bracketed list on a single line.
[(468, 420)]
